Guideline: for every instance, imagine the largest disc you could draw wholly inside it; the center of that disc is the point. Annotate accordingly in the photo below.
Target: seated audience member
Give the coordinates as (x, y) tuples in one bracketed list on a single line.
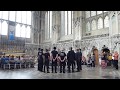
[(89, 63)]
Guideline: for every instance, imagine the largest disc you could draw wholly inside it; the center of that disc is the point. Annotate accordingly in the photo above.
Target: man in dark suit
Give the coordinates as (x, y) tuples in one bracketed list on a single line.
[(54, 59), (78, 57), (71, 59)]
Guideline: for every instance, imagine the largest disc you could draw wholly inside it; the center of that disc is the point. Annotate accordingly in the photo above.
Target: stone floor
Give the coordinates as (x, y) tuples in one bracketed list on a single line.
[(86, 73)]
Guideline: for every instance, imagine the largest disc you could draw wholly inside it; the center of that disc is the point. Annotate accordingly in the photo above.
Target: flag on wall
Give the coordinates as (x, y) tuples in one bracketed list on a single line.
[(11, 35), (11, 30)]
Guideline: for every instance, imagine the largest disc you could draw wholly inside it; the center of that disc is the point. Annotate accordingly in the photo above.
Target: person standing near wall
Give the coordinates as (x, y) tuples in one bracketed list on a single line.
[(62, 57), (116, 57), (54, 55), (40, 60), (93, 60), (78, 57), (47, 59), (71, 59)]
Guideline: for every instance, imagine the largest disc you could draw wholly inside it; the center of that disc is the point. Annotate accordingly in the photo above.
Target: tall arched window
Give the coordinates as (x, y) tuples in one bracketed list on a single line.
[(28, 30), (0, 14), (93, 25), (12, 15), (46, 26), (66, 19), (100, 23), (0, 27), (50, 24), (106, 22), (87, 14), (18, 30), (5, 15), (105, 11), (4, 28), (99, 12), (23, 31), (24, 17), (29, 17), (18, 16), (93, 13), (69, 22), (88, 26)]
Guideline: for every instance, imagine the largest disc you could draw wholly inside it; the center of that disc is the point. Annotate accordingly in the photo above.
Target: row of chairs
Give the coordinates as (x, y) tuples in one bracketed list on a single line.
[(17, 64)]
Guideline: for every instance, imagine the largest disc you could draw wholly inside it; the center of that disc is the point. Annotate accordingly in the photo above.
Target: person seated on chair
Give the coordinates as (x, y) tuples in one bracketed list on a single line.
[(84, 61), (89, 63), (3, 60)]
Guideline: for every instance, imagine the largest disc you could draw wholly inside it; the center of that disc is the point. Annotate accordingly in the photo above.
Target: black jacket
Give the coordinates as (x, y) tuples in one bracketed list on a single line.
[(78, 56), (71, 55)]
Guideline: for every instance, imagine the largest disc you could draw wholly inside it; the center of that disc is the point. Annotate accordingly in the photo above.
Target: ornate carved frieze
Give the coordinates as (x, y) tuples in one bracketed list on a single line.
[(76, 22), (87, 44), (96, 36), (55, 27)]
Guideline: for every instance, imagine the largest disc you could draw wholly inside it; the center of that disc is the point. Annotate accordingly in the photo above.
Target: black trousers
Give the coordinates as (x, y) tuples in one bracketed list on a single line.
[(46, 65), (69, 64), (109, 62), (62, 66), (93, 63), (116, 64), (79, 67), (40, 65), (54, 66)]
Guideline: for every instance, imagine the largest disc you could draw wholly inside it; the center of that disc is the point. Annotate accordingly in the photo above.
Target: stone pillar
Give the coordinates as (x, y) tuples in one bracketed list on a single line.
[(110, 31), (33, 22), (62, 24)]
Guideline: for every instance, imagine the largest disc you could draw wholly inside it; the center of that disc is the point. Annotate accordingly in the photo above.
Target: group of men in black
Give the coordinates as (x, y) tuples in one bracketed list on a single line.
[(62, 57)]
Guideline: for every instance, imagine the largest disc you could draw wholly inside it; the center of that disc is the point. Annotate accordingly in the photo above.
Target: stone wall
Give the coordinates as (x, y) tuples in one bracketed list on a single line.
[(80, 38)]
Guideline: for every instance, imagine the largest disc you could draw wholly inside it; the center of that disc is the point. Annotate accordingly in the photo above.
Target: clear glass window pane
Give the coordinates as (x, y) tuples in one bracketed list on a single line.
[(18, 16), (93, 13), (106, 22), (5, 15), (100, 23), (24, 17), (4, 28), (0, 14), (99, 12), (12, 16), (28, 30), (105, 11), (23, 31), (88, 26), (87, 13), (93, 25), (0, 27), (29, 17), (18, 29)]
